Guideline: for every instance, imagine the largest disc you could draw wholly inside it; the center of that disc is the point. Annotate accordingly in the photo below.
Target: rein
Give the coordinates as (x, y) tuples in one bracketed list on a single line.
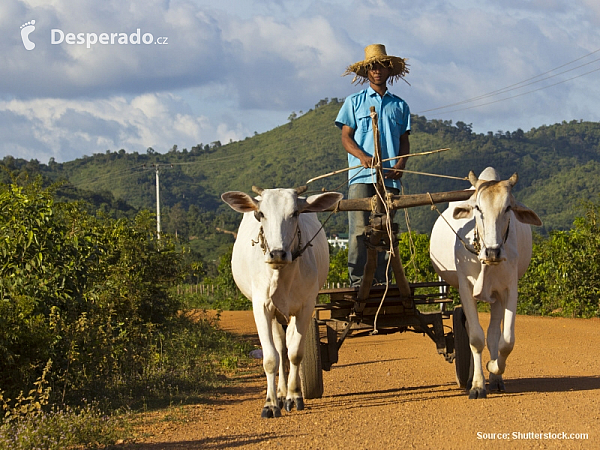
[(476, 244)]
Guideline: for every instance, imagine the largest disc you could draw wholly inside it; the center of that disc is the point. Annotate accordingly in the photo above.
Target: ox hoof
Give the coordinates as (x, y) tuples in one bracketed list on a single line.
[(269, 412), (476, 393), (280, 402), (496, 383), (289, 404)]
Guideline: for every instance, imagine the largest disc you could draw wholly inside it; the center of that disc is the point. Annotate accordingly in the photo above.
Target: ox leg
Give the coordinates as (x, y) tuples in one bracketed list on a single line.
[(264, 321), (476, 341), (279, 341), (506, 343), (493, 339), (296, 333)]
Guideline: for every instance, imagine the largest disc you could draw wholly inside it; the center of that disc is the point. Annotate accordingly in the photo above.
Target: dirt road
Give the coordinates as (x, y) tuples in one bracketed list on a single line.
[(395, 391)]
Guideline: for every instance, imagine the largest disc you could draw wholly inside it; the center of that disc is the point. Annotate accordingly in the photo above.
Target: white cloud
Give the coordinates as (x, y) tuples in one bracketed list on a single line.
[(279, 63), (66, 129), (72, 70), (234, 67)]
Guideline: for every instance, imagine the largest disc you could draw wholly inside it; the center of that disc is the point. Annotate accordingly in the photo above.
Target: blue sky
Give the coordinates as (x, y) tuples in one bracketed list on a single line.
[(225, 70)]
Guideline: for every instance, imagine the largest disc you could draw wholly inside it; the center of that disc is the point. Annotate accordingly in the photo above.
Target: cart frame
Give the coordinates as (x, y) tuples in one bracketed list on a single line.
[(381, 308)]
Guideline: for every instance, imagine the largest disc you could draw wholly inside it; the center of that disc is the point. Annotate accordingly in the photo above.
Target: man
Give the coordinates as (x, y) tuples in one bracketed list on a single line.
[(357, 138)]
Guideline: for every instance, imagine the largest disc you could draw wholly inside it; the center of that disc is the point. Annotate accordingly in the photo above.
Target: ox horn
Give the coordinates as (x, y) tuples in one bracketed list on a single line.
[(473, 178), (301, 190), (257, 189), (513, 180)]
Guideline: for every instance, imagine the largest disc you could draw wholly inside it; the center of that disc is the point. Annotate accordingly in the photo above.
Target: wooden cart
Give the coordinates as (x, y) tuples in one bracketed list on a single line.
[(334, 321), (361, 308)]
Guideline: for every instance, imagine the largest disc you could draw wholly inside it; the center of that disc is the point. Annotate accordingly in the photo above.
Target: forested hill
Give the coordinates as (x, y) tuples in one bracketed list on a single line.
[(558, 166)]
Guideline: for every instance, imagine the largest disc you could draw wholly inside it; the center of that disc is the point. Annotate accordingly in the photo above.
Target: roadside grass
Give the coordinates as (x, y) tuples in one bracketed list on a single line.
[(192, 361), (221, 298)]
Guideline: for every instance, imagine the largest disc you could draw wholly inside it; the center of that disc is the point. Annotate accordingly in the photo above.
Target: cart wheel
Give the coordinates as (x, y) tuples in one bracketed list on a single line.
[(311, 373), (463, 358)]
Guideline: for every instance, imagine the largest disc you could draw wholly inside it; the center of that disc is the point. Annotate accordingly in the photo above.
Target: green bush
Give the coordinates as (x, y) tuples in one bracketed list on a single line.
[(86, 313), (338, 266), (414, 254), (83, 427), (564, 275), (27, 425), (225, 295), (88, 293)]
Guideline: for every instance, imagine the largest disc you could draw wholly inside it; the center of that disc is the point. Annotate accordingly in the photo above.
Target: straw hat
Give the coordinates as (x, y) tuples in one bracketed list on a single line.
[(375, 53)]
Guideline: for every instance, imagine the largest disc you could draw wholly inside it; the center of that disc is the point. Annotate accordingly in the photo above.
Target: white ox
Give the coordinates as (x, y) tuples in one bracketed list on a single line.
[(494, 221), (275, 268)]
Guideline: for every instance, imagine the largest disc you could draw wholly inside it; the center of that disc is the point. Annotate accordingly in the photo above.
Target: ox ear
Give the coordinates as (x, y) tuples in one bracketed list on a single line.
[(463, 211), (526, 215), (240, 201), (320, 202)]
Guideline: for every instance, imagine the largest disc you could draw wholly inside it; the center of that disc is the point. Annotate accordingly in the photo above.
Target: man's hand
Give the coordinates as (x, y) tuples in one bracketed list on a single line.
[(366, 160), (396, 174), (401, 163), (352, 147)]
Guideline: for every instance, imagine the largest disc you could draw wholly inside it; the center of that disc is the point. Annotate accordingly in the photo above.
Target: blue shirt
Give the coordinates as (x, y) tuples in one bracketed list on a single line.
[(393, 121)]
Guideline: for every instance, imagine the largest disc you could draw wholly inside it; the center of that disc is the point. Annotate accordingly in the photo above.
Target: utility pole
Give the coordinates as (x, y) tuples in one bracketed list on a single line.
[(157, 170), (156, 166)]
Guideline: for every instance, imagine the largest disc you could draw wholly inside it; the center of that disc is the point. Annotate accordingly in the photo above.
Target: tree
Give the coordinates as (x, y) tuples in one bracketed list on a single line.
[(87, 293), (564, 275), (177, 221), (322, 102)]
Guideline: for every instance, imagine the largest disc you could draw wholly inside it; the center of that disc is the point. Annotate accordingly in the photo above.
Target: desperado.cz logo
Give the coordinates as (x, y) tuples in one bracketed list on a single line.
[(58, 36), (26, 29)]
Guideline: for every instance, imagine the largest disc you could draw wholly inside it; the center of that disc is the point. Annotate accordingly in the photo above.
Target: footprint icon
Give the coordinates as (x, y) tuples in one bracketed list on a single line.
[(26, 30)]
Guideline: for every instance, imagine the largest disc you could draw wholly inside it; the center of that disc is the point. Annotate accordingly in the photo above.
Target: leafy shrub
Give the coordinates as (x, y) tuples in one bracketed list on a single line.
[(88, 293), (414, 254), (338, 266), (57, 429), (225, 296), (26, 425), (564, 275)]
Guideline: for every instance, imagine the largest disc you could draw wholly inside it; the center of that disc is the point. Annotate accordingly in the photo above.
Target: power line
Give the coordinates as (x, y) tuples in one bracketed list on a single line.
[(520, 85), (521, 94)]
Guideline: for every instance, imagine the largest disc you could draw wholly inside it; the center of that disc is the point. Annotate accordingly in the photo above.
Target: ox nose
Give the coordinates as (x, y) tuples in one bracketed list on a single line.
[(492, 254), (277, 255)]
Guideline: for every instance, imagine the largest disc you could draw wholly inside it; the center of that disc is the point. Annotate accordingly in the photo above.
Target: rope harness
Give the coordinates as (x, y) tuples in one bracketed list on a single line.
[(478, 242), (264, 245), (260, 239), (478, 245)]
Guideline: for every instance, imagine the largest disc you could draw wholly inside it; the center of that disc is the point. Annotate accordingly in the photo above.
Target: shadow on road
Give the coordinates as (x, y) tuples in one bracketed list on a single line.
[(212, 443), (380, 397), (364, 363), (552, 384)]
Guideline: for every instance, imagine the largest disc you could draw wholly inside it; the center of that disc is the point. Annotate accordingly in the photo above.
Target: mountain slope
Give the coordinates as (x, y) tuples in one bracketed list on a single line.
[(558, 165)]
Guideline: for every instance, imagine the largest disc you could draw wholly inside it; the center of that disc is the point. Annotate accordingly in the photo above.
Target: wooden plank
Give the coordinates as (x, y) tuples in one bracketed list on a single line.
[(403, 201)]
